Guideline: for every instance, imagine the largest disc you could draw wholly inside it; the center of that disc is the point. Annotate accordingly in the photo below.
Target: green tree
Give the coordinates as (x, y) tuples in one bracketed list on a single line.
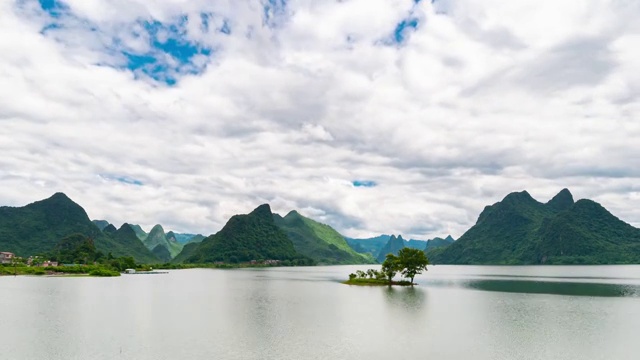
[(390, 267), (412, 262)]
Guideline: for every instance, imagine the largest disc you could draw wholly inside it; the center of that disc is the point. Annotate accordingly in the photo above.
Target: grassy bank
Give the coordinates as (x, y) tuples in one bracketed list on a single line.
[(377, 282), (170, 266), (89, 270)]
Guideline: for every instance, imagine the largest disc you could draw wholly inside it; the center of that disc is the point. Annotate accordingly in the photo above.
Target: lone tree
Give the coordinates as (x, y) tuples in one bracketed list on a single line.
[(411, 262), (390, 267)]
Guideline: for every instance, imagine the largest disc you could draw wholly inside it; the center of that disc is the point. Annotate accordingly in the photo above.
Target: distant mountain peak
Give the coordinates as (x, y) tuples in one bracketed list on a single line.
[(127, 227), (109, 229), (392, 247), (518, 196), (562, 201), (263, 211), (156, 229), (293, 214), (101, 224), (449, 238), (59, 196)]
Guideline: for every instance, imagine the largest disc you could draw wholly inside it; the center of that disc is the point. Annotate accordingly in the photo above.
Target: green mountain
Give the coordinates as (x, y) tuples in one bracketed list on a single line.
[(75, 249), (126, 237), (157, 237), (370, 245), (415, 244), (187, 252), (109, 229), (391, 247), (244, 238), (161, 252), (38, 227), (196, 239), (141, 234), (438, 243), (185, 238), (521, 230), (318, 241), (374, 245), (101, 224)]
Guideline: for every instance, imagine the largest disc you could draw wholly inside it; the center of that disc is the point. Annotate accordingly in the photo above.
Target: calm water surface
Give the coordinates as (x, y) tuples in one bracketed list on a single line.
[(457, 312)]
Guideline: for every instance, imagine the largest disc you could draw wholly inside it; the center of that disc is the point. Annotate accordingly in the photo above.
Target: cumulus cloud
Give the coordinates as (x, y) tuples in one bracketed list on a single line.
[(187, 112)]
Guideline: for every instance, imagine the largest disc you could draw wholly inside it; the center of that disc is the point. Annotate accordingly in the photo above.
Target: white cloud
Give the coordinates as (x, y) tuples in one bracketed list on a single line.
[(482, 99)]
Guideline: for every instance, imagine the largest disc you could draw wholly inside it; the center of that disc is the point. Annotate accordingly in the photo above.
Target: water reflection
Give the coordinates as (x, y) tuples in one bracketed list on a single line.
[(410, 298), (556, 288)]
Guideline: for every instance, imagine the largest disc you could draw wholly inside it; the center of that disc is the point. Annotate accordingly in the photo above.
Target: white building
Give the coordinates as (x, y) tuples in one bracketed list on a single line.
[(6, 257)]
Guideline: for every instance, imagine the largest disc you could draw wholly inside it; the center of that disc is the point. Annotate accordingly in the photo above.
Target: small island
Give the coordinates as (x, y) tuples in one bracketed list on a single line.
[(409, 262)]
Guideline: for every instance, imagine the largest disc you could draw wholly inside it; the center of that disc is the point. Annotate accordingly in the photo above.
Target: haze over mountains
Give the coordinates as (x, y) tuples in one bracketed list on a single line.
[(516, 230), (375, 245)]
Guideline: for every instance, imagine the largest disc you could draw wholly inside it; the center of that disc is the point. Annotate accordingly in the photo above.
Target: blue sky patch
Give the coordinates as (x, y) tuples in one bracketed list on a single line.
[(54, 8), (272, 10), (167, 41), (170, 55), (401, 31), (364, 183), (122, 179)]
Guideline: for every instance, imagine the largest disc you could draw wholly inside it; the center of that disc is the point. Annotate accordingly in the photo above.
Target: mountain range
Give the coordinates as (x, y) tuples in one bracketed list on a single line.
[(251, 237), (318, 241), (516, 230), (165, 246), (38, 227), (521, 230), (374, 246)]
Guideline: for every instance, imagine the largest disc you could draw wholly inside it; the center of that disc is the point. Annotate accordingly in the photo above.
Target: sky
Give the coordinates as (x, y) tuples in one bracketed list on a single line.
[(373, 116)]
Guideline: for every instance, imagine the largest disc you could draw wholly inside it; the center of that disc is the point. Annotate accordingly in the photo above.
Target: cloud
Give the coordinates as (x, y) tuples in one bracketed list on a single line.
[(217, 107)]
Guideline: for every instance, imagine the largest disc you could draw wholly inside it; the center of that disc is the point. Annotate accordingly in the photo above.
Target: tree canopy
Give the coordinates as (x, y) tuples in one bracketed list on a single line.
[(409, 262), (412, 262)]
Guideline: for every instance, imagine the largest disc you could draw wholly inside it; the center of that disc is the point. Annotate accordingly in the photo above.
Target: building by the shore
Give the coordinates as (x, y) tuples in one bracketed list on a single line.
[(6, 257)]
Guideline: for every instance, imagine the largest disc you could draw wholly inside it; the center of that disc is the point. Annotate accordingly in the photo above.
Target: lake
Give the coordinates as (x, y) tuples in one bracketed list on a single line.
[(457, 312)]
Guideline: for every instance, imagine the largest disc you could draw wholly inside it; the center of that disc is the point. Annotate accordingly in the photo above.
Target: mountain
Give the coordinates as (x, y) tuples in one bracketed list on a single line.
[(109, 229), (101, 224), (416, 244), (185, 238), (521, 230), (370, 245), (161, 252), (391, 247), (157, 237), (141, 234), (196, 239), (374, 245), (318, 241), (438, 243), (126, 237), (38, 227), (75, 249), (188, 251), (254, 236)]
